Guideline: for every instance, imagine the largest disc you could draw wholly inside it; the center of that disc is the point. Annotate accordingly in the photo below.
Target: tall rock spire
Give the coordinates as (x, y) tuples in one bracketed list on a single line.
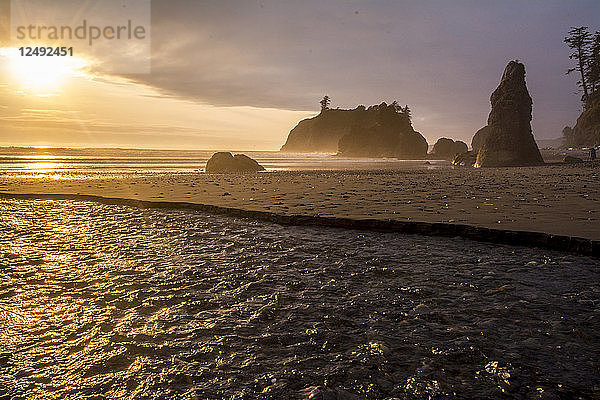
[(508, 140)]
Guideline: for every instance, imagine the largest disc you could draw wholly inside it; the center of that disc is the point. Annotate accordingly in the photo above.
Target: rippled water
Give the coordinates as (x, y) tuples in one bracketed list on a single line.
[(31, 161), (101, 301)]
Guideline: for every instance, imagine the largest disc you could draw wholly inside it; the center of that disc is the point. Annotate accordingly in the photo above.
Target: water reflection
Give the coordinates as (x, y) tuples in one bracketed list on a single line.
[(117, 302), (43, 167)]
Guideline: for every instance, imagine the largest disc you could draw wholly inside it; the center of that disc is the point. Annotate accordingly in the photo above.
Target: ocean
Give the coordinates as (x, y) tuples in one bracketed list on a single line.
[(103, 301), (106, 161)]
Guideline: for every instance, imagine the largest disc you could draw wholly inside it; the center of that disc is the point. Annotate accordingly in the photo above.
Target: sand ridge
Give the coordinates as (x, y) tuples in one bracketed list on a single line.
[(555, 199)]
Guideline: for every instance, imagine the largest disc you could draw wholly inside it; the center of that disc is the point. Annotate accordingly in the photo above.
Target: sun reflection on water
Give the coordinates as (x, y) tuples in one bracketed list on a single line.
[(45, 169), (43, 166)]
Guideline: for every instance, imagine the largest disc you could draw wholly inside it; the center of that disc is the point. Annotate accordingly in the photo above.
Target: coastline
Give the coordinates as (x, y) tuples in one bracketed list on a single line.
[(554, 199), (576, 245)]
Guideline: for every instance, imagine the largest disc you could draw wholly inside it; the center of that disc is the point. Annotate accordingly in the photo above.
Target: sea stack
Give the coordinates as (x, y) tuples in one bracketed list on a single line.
[(447, 148), (508, 141), (377, 131)]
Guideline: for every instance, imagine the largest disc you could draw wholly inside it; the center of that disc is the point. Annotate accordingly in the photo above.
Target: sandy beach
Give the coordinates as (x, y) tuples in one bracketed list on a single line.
[(555, 199)]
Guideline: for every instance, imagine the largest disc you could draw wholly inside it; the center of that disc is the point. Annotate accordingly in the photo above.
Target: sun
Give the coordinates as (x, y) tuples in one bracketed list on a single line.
[(41, 74)]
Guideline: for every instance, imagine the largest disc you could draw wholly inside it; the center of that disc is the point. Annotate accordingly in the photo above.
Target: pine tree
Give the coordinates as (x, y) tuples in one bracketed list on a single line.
[(593, 72), (579, 40), (408, 113), (325, 102)]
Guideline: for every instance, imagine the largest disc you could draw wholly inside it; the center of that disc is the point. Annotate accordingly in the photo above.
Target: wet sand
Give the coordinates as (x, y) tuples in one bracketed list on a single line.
[(555, 199)]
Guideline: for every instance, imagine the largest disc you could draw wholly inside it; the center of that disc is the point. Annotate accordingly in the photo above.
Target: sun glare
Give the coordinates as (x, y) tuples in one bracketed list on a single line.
[(43, 166), (42, 75)]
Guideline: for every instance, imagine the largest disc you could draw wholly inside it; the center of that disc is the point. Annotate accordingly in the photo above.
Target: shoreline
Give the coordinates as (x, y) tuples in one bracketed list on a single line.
[(570, 244), (558, 199)]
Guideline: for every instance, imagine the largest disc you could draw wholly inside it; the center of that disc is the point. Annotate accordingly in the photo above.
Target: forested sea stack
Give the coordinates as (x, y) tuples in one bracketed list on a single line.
[(378, 131), (508, 140)]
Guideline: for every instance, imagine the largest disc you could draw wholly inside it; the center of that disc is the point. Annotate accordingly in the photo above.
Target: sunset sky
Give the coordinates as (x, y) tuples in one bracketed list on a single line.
[(240, 74)]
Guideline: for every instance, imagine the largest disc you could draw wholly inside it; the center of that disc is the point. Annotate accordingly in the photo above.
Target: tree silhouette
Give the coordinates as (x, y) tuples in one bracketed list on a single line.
[(325, 102), (407, 111), (579, 40), (402, 110), (593, 75)]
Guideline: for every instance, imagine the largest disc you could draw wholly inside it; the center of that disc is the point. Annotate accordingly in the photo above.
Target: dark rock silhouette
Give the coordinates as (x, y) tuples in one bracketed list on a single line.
[(509, 141), (377, 131), (466, 159), (448, 148), (479, 138), (225, 162), (321, 133), (586, 131)]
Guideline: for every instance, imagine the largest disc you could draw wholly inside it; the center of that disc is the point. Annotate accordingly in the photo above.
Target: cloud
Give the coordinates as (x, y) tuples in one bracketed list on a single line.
[(443, 58)]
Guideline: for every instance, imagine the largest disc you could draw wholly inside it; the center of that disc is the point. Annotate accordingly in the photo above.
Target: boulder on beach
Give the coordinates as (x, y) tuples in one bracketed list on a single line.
[(509, 141), (378, 131), (225, 162), (448, 148)]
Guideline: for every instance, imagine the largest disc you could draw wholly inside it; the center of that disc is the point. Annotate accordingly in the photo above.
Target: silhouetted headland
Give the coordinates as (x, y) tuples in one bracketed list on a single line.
[(378, 131), (586, 131)]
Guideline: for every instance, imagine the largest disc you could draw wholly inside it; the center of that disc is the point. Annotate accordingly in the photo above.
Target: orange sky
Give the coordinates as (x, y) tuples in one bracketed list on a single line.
[(51, 102), (238, 75)]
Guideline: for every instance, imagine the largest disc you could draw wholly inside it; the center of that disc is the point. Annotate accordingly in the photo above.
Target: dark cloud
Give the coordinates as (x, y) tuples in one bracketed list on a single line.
[(442, 57)]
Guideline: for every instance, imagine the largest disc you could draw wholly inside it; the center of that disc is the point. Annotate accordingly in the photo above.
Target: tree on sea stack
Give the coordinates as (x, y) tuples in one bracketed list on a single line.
[(586, 53), (509, 140), (325, 102), (406, 110), (594, 64), (579, 40), (402, 110)]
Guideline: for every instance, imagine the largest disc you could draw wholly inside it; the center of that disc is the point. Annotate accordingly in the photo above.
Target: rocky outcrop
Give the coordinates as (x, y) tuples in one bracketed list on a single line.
[(225, 162), (479, 138), (378, 131), (587, 130), (509, 141), (447, 148), (322, 133)]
